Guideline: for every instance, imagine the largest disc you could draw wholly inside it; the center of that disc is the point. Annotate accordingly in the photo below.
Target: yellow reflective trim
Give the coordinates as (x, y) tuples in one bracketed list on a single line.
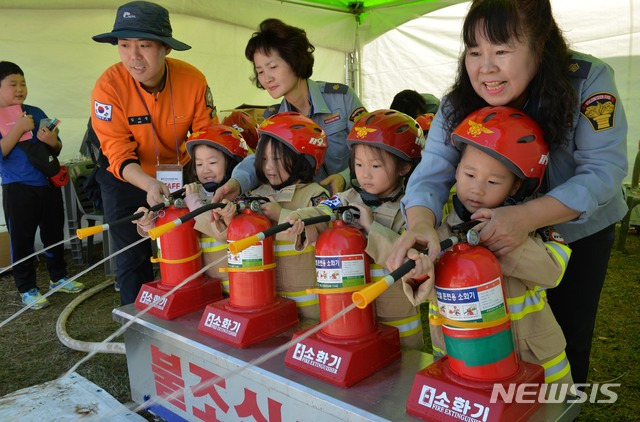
[(563, 260), (300, 298), (562, 357), (555, 360), (536, 297), (406, 326), (396, 322), (284, 248), (437, 351)]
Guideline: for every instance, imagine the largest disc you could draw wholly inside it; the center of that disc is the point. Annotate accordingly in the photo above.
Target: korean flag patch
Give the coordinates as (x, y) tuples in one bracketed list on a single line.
[(103, 111)]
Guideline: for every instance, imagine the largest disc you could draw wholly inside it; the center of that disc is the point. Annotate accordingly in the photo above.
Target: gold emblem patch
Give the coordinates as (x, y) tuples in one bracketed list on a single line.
[(265, 123), (476, 129), (362, 132), (600, 110)]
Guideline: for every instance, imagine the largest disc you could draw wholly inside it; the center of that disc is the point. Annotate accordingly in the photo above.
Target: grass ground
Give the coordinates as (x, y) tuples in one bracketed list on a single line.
[(31, 353)]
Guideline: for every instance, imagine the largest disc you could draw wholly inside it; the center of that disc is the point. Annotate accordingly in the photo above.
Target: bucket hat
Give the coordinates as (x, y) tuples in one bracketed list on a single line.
[(144, 20)]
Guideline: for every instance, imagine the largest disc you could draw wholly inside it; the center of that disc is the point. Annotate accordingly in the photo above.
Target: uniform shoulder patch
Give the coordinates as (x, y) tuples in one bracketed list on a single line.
[(316, 200), (334, 88), (102, 110), (579, 68), (271, 110), (600, 110), (357, 113), (208, 99), (549, 234)]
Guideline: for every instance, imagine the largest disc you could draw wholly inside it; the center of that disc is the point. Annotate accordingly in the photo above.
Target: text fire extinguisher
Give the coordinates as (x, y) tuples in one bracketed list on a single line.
[(180, 253), (252, 270), (476, 325), (342, 267)]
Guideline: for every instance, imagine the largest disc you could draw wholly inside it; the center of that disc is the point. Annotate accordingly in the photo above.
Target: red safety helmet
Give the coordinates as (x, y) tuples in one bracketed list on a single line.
[(299, 133), (224, 138), (245, 124), (511, 137), (425, 120), (390, 130)]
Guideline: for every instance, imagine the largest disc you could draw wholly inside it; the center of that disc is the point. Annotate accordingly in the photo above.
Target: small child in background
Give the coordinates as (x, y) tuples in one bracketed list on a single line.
[(214, 152), (29, 200), (289, 155), (246, 125), (385, 147), (504, 156)]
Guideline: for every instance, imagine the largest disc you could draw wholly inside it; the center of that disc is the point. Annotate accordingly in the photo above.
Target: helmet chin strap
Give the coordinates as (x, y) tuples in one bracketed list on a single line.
[(465, 214), (372, 200), (286, 183), (211, 187)]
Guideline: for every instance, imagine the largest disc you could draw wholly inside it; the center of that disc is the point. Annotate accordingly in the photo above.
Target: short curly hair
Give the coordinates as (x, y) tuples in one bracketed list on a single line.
[(289, 42)]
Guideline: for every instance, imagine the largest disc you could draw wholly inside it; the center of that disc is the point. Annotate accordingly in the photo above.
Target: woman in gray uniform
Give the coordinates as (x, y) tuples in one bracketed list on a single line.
[(511, 59), (282, 57)]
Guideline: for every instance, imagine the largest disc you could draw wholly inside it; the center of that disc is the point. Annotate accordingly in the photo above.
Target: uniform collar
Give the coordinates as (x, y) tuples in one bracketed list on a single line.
[(318, 104)]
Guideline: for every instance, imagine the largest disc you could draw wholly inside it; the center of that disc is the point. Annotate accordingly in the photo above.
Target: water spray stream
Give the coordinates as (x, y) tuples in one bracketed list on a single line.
[(139, 314), (8, 267), (52, 291), (255, 362)]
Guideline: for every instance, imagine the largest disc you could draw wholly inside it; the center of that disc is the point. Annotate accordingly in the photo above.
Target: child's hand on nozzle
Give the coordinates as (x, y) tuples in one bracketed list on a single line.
[(417, 284), (366, 216), (271, 210), (146, 222), (297, 225), (226, 214), (192, 196)]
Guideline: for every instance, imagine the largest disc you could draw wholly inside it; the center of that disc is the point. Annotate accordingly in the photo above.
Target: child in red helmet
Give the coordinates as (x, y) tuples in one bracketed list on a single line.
[(289, 155), (503, 161), (246, 125), (214, 152), (385, 147)]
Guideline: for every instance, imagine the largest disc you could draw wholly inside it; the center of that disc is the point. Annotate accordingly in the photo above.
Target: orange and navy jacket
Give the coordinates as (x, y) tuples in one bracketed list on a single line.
[(123, 125)]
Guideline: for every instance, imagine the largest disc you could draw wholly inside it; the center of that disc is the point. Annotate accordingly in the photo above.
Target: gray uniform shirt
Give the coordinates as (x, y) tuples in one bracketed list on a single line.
[(334, 107)]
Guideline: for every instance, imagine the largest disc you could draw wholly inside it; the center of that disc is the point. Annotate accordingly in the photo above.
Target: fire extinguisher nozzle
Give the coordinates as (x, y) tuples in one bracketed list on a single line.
[(362, 298), (156, 232), (242, 244), (90, 231)]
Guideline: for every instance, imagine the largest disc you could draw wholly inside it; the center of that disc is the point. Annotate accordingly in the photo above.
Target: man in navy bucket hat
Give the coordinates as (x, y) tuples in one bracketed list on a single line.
[(142, 110), (141, 19)]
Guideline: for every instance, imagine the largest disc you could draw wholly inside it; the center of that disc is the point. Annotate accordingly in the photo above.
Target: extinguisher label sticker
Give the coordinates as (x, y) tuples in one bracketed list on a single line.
[(250, 257), (317, 358), (340, 271), (481, 303)]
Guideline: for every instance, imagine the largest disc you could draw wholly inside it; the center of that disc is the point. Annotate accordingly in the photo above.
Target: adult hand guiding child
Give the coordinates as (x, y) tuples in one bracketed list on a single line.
[(513, 60)]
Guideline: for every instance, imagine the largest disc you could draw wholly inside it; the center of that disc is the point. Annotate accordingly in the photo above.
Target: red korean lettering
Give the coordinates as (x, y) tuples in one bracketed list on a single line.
[(249, 407)]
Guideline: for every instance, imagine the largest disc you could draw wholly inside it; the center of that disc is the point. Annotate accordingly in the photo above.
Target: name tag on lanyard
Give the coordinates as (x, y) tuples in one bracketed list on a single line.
[(170, 175)]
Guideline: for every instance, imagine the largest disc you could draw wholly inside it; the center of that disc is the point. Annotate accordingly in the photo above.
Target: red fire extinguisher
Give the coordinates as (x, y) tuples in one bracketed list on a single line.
[(342, 267), (180, 251), (254, 286), (471, 299)]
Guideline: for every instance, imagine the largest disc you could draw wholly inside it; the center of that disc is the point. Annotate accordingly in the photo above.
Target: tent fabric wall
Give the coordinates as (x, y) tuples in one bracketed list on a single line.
[(61, 62), (51, 41), (422, 54)]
